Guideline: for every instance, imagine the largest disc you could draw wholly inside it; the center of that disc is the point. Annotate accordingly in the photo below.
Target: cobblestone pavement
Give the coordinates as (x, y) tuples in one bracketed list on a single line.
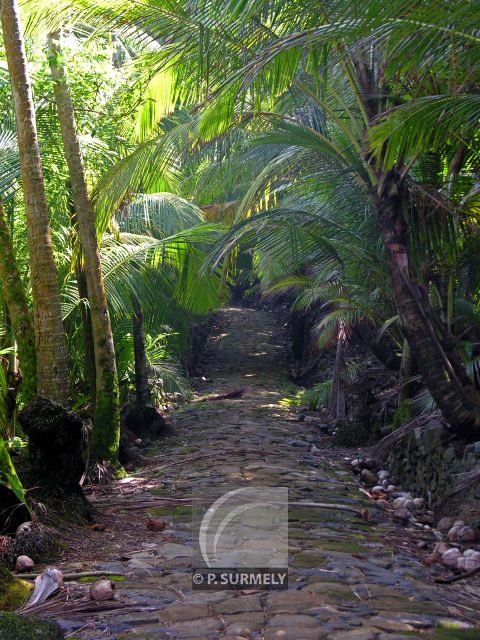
[(344, 583)]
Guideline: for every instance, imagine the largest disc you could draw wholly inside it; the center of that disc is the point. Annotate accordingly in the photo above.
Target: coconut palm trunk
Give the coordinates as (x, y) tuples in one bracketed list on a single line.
[(106, 425), (50, 343), (437, 361), (142, 388), (20, 317)]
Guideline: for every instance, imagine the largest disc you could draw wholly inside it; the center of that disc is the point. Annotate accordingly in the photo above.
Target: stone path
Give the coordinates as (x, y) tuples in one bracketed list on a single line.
[(344, 583)]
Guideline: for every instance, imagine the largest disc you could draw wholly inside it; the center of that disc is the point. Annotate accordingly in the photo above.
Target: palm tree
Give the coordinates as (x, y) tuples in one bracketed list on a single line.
[(52, 364), (106, 426), (352, 62), (20, 315)]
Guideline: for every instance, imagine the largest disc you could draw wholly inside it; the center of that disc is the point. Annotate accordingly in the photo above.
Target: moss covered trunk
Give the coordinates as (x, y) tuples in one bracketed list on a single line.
[(106, 425), (52, 363), (20, 316)]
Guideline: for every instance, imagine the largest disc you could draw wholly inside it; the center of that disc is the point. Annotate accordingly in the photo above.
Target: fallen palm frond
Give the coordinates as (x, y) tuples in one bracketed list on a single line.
[(226, 395), (64, 603), (362, 513), (51, 598), (386, 444), (461, 576), (470, 480)]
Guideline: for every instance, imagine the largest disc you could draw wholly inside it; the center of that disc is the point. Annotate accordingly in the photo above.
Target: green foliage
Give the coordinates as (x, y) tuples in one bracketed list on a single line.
[(402, 415), (17, 627)]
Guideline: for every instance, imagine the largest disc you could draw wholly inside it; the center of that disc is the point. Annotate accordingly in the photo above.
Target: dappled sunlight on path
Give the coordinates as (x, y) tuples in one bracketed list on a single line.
[(344, 583)]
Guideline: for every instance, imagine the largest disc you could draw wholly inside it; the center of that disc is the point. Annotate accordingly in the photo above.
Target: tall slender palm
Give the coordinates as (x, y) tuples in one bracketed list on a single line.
[(52, 363), (20, 315), (106, 425)]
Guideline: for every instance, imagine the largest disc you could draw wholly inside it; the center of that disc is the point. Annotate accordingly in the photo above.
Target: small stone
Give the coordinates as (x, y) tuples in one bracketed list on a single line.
[(419, 503), (402, 516), (472, 563), (370, 463), (385, 483), (471, 553), (384, 475), (409, 504), (24, 563), (445, 524), (355, 463), (450, 558), (378, 489), (459, 523), (461, 563), (391, 488), (399, 502), (390, 624), (369, 477), (422, 544)]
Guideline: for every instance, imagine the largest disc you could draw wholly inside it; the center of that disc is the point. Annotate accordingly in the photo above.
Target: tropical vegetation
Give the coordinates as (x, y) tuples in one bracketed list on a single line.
[(157, 156)]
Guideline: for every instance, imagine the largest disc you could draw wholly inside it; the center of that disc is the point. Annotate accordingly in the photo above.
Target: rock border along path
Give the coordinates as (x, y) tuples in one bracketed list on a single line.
[(344, 583)]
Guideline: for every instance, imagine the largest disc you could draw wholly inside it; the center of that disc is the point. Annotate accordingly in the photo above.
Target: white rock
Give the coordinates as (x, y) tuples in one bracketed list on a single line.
[(385, 483), (438, 550), (391, 488), (355, 463), (450, 557), (419, 503), (471, 563), (460, 533), (471, 553), (24, 563), (384, 475), (399, 502), (459, 523), (461, 563)]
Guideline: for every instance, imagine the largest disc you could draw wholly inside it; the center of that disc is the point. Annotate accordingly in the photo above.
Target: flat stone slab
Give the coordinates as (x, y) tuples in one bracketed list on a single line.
[(288, 621), (240, 604)]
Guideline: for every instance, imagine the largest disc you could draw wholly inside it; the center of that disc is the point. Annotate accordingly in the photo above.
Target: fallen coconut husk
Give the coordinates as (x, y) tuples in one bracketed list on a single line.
[(47, 583)]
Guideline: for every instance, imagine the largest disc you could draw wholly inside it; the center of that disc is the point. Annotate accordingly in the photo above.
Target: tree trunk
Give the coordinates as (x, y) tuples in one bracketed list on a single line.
[(439, 366), (51, 350), (20, 316), (407, 370), (88, 343), (106, 424), (142, 387), (337, 406)]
